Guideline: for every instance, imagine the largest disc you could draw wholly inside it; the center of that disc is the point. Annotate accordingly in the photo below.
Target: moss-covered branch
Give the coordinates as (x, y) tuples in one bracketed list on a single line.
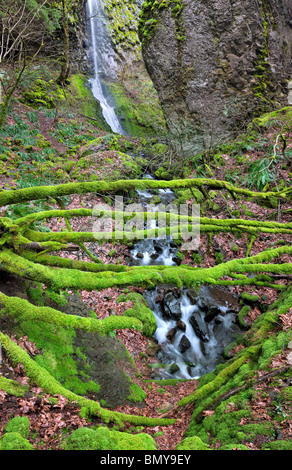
[(148, 276), (58, 261), (24, 310), (167, 218), (42, 192), (49, 384)]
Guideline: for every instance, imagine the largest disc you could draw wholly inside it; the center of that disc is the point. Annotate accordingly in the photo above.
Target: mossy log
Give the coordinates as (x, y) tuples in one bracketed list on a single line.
[(42, 192)]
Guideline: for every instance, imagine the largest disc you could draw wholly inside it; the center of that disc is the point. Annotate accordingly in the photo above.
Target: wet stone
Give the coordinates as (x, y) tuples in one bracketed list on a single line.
[(171, 307), (192, 295), (199, 328), (173, 368), (171, 334), (181, 325), (184, 344), (211, 313), (202, 305)]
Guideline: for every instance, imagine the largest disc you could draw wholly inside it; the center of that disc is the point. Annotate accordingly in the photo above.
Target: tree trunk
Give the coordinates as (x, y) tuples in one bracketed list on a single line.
[(65, 64)]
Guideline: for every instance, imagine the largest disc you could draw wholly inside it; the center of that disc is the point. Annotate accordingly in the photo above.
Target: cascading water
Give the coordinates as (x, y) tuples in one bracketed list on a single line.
[(193, 328), (159, 251), (103, 60)]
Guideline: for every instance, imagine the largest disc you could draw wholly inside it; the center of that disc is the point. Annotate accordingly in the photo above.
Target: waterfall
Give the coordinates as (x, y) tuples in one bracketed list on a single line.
[(103, 59)]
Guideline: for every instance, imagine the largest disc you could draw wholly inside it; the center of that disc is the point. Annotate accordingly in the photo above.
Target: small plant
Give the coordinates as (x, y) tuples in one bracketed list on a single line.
[(260, 173)]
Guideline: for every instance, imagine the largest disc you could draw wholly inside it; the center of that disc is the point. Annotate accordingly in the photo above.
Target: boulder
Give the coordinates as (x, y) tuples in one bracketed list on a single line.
[(216, 64)]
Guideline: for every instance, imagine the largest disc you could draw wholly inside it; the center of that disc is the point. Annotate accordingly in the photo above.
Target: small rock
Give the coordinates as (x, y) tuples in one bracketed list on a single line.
[(212, 312), (152, 349), (173, 368), (164, 407), (182, 326), (184, 344), (192, 295), (289, 358), (171, 334)]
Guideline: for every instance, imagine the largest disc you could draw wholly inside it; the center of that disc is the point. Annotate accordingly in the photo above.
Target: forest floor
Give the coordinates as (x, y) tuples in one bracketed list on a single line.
[(50, 423)]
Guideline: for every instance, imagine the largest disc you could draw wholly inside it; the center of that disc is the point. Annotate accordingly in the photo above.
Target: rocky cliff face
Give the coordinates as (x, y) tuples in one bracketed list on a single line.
[(216, 64)]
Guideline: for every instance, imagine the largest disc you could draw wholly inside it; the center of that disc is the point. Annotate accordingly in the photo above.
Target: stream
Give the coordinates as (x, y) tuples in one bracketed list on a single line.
[(193, 327)]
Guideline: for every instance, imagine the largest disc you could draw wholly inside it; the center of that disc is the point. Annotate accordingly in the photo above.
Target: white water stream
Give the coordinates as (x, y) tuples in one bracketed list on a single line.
[(103, 59), (191, 338)]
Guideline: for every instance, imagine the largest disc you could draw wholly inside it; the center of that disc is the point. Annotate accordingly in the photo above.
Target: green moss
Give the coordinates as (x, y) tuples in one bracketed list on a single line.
[(248, 298), (234, 447), (219, 257), (141, 311), (278, 445), (33, 193), (12, 387), (286, 394), (151, 14), (81, 99), (271, 348), (14, 441), (137, 394), (192, 443), (18, 424), (141, 111), (43, 95), (104, 439), (268, 119), (244, 311), (107, 165), (123, 26)]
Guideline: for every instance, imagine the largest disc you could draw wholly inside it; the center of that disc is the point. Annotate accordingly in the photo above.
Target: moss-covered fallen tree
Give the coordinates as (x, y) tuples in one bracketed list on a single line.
[(32, 255), (42, 192)]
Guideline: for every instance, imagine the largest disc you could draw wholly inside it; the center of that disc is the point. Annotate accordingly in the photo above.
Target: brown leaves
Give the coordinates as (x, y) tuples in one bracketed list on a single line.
[(286, 320)]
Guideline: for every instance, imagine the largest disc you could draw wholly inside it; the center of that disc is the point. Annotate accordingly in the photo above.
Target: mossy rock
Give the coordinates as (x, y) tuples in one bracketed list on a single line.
[(107, 165), (81, 99), (14, 441), (141, 311), (18, 424), (104, 439), (137, 105), (269, 202), (43, 95), (184, 195), (192, 443), (163, 174), (282, 115)]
